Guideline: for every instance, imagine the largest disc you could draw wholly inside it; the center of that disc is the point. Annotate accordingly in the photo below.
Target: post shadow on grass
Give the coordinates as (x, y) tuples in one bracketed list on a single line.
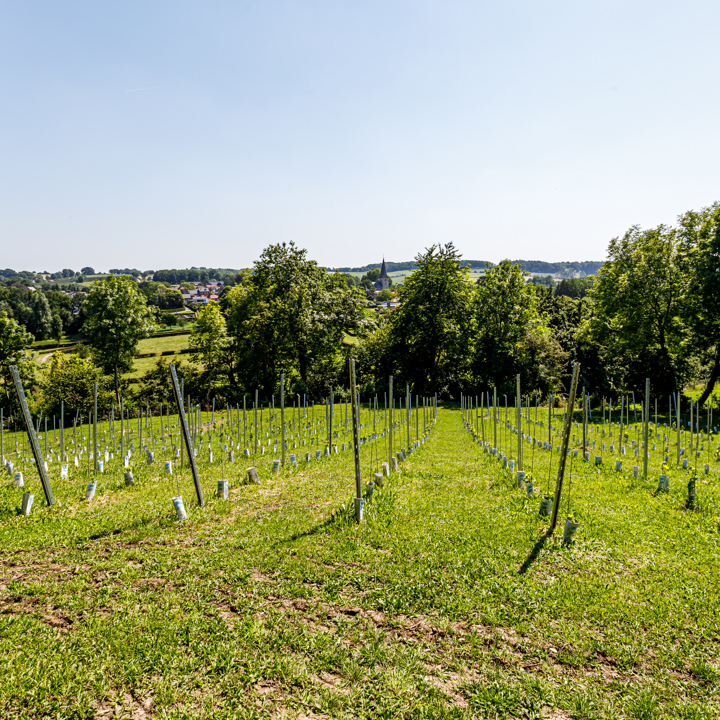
[(534, 553)]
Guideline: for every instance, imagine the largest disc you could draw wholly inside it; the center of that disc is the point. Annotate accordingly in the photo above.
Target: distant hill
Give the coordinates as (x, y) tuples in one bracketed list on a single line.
[(537, 267)]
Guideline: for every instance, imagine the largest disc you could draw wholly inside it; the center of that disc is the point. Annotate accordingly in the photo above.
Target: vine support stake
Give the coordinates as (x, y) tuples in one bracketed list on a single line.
[(356, 444), (565, 442), (32, 437), (646, 428), (186, 435)]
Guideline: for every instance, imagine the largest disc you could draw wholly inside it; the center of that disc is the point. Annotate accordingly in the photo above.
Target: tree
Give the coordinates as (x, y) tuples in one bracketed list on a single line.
[(155, 386), (574, 287), (15, 344), (636, 311), (385, 295), (511, 336), (117, 319), (699, 247), (289, 315), (87, 271), (40, 322), (429, 333), (209, 343), (71, 379)]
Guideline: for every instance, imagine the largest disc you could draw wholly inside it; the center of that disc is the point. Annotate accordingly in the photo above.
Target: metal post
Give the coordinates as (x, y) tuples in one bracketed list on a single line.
[(646, 434), (408, 403), (95, 457), (518, 419), (32, 437), (282, 416), (565, 441), (390, 424), (495, 419), (186, 434), (677, 408), (356, 444)]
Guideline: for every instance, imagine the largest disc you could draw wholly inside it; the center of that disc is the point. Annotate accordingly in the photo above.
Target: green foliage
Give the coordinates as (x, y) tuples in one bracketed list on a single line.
[(511, 335), (637, 311), (289, 316), (384, 295), (210, 343), (574, 287), (699, 243), (546, 280), (15, 343), (71, 379), (117, 319), (155, 386), (429, 333)]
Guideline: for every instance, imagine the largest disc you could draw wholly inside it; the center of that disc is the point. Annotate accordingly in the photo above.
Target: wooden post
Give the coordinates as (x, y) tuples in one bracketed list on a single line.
[(565, 441), (356, 442), (282, 417), (32, 436), (255, 425), (646, 434), (518, 422), (584, 420), (408, 405), (186, 435), (95, 457), (677, 410), (390, 424), (495, 418)]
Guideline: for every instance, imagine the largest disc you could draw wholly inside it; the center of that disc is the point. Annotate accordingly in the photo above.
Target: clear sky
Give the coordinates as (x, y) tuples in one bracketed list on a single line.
[(169, 134)]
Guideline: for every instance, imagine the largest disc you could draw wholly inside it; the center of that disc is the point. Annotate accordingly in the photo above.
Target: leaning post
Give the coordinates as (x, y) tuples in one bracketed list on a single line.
[(186, 435), (32, 437), (565, 442), (356, 444)]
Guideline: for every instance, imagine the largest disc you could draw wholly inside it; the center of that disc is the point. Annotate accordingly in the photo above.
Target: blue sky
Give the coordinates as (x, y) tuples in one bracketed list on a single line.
[(169, 134)]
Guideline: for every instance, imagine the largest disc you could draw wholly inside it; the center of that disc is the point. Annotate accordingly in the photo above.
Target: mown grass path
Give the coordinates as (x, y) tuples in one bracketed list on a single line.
[(445, 603)]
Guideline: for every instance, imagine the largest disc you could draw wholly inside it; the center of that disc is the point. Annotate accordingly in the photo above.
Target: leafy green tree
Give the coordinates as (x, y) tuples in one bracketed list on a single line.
[(385, 295), (155, 386), (40, 321), (87, 271), (15, 344), (209, 343), (511, 335), (637, 308), (289, 315), (699, 247), (546, 280), (71, 379), (117, 319), (574, 287), (429, 332)]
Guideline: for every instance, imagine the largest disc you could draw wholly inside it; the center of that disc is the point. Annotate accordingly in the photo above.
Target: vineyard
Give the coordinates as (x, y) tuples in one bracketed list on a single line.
[(400, 565)]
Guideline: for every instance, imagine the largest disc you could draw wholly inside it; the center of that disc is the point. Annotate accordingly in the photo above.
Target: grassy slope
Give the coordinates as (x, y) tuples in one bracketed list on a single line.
[(260, 607)]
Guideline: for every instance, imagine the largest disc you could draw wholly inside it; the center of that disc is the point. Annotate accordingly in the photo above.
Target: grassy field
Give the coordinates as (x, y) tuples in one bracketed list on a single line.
[(172, 343), (446, 602)]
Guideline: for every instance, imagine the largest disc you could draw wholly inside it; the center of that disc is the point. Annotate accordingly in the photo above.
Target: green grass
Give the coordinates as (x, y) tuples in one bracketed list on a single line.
[(446, 602), (157, 345)]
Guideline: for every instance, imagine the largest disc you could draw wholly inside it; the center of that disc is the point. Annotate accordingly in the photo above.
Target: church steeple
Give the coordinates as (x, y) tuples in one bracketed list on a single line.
[(383, 280), (383, 271)]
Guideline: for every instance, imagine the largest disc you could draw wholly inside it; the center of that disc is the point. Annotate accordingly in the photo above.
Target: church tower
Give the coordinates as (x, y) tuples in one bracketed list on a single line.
[(383, 282)]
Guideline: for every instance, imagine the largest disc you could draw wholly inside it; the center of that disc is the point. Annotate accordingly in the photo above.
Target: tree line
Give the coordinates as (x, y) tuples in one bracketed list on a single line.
[(653, 309)]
